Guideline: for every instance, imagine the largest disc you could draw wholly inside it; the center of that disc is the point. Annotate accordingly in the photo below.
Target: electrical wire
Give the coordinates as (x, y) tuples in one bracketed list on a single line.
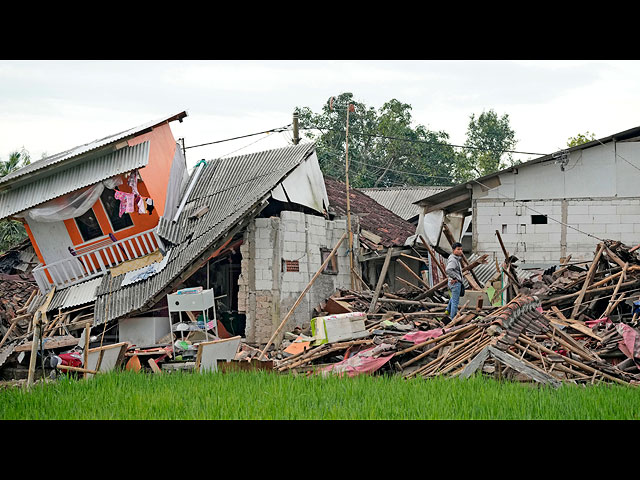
[(273, 130), (422, 141)]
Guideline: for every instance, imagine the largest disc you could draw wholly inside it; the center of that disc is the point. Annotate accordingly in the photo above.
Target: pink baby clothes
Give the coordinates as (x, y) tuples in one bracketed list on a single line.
[(126, 202)]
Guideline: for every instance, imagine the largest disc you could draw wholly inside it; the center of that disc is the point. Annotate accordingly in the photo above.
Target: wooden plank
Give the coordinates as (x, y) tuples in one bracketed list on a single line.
[(383, 273), (587, 280), (154, 366)]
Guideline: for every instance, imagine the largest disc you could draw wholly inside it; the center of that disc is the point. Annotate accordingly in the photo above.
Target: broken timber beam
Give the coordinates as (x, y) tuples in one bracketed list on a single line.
[(383, 274), (587, 281)]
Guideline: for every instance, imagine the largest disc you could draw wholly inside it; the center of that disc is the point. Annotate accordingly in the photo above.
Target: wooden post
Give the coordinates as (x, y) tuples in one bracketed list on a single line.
[(383, 273), (85, 353), (346, 173), (37, 333), (304, 292)]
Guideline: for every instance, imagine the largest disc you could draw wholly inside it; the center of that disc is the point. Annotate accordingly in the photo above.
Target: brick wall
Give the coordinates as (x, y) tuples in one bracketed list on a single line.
[(266, 293)]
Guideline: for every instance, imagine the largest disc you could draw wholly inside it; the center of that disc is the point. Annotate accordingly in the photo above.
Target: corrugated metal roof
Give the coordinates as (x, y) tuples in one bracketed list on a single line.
[(232, 188), (65, 181), (400, 200), (86, 148), (72, 296)]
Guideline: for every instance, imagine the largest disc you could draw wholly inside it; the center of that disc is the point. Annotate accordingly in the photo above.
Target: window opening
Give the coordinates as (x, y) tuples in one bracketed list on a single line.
[(332, 266), (112, 208), (88, 225), (538, 219)]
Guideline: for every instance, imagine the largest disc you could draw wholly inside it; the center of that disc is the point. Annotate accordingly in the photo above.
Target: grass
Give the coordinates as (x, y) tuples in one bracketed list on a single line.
[(270, 396)]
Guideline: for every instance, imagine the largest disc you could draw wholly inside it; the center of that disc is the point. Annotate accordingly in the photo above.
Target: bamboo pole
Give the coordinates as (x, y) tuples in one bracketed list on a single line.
[(304, 292)]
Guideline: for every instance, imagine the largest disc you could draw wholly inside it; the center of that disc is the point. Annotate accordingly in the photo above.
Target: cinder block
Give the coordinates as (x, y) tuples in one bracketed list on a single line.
[(602, 209), (620, 227), (573, 209), (628, 210), (629, 218)]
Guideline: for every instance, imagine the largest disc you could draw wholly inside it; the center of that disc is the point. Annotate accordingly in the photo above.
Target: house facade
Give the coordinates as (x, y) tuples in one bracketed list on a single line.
[(550, 207), (97, 205)]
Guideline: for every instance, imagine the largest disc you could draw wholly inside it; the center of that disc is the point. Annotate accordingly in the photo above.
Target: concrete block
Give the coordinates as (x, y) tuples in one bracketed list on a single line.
[(263, 243), (573, 209), (629, 218), (591, 228), (628, 210), (573, 219), (262, 223), (620, 228), (602, 209)]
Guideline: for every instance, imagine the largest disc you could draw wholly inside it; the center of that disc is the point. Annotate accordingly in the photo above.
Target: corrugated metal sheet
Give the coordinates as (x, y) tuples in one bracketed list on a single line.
[(231, 188), (485, 272), (86, 148), (65, 181), (400, 199)]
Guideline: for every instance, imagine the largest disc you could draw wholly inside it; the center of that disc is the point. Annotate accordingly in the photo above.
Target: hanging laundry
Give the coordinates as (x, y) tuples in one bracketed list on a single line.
[(126, 202), (142, 205), (133, 181), (150, 206)]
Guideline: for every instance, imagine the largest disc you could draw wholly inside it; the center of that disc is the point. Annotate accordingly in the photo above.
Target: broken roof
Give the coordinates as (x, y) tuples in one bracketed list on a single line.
[(235, 190), (401, 200), (459, 196), (392, 229), (73, 169), (96, 146)]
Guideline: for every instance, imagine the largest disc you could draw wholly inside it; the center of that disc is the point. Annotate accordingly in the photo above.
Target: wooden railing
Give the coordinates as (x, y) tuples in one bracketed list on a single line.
[(93, 263)]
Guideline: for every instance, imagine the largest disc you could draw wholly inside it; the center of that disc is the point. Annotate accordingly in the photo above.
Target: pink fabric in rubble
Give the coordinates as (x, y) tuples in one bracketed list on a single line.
[(362, 362), (423, 336), (628, 345)]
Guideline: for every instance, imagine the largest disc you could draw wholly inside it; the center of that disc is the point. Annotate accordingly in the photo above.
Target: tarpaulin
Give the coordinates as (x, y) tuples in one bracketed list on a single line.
[(422, 336), (629, 344), (366, 361)]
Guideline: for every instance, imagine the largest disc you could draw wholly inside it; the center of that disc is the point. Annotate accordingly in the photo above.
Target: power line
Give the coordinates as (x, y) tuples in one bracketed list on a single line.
[(273, 130), (422, 141)]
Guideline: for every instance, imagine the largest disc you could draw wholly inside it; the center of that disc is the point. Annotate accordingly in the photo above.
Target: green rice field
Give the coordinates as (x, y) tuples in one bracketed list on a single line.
[(269, 396)]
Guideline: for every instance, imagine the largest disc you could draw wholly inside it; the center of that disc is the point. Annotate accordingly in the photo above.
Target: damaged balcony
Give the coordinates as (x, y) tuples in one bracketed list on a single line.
[(90, 261)]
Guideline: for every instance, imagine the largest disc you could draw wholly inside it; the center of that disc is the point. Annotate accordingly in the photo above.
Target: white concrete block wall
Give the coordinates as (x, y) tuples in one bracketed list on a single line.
[(606, 218), (266, 293)]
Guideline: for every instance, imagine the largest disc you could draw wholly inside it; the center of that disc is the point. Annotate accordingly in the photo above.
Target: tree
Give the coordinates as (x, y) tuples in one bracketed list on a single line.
[(580, 139), (12, 231), (385, 149), (489, 137)]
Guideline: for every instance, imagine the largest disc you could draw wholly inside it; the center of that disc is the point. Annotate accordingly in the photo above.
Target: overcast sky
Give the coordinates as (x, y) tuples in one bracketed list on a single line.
[(51, 106)]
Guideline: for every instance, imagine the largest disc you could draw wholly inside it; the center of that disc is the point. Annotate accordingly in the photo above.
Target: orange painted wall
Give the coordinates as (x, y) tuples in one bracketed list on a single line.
[(141, 222), (155, 178), (155, 174)]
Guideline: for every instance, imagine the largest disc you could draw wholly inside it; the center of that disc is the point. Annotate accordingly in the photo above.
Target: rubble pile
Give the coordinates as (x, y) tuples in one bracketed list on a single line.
[(574, 323)]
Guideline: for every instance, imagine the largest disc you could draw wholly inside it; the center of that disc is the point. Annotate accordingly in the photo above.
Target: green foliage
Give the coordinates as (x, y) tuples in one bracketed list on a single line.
[(376, 157), (12, 231), (271, 396), (580, 139), (489, 136)]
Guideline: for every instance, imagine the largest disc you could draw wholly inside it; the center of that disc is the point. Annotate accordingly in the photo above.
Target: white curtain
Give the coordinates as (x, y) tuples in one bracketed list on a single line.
[(71, 205)]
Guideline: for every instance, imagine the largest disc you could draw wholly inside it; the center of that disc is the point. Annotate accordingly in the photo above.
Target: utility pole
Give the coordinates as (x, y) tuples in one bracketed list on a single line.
[(349, 108), (296, 136)]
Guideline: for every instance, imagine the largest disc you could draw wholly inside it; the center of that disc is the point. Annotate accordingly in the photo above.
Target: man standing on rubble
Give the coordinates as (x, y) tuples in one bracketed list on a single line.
[(454, 273)]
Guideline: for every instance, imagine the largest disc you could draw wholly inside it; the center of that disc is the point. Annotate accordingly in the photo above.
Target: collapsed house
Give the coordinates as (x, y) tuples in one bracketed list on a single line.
[(118, 225)]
